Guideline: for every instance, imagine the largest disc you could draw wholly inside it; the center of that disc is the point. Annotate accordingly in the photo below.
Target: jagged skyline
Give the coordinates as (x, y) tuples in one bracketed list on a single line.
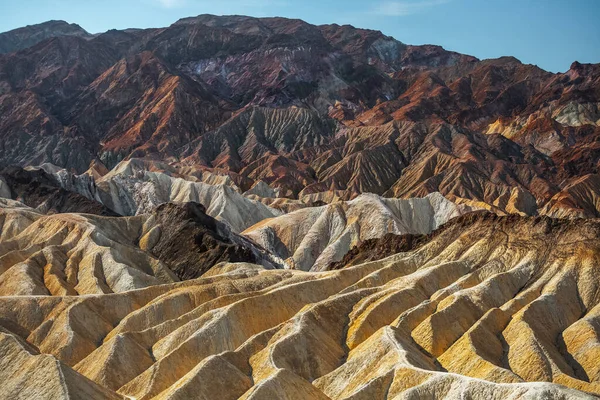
[(551, 34)]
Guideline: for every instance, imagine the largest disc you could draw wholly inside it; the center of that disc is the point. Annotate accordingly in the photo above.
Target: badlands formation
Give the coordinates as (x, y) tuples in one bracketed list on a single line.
[(77, 254), (260, 208), (434, 301), (312, 238), (485, 307)]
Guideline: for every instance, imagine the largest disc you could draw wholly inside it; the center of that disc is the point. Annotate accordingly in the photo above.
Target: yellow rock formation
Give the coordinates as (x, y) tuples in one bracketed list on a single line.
[(489, 308)]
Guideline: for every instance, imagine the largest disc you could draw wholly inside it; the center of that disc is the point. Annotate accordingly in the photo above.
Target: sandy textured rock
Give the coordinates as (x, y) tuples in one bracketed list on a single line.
[(25, 374), (261, 189)]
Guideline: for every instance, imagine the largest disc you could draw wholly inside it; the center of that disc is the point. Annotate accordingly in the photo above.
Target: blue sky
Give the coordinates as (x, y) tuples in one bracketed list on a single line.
[(549, 33)]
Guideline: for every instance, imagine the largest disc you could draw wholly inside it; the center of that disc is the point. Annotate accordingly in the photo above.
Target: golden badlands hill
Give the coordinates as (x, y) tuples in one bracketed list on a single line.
[(484, 307), (76, 254)]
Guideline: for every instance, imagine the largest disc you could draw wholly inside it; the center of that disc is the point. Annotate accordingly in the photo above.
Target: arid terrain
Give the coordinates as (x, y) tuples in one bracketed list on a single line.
[(261, 208)]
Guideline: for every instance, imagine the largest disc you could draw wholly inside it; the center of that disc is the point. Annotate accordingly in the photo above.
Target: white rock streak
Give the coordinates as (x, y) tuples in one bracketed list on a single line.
[(312, 238)]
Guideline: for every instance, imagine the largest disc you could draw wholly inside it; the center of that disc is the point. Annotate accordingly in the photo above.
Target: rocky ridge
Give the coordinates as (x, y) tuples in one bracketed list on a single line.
[(22, 38), (319, 112), (312, 238)]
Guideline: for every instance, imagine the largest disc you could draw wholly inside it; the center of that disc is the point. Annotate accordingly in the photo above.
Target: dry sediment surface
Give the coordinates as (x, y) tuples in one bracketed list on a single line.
[(489, 307)]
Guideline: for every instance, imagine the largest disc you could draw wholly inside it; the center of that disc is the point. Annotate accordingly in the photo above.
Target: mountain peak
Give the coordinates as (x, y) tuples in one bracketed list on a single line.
[(30, 35)]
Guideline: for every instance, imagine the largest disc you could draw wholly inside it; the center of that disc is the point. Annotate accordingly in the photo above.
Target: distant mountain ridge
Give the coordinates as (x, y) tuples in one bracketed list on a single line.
[(323, 111), (22, 38)]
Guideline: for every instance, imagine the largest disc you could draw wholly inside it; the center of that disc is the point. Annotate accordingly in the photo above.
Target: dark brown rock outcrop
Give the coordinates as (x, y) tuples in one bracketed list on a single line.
[(189, 241), (38, 189), (21, 38)]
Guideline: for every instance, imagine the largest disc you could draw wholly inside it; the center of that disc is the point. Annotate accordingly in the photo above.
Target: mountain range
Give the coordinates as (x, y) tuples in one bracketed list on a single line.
[(261, 208), (307, 109)]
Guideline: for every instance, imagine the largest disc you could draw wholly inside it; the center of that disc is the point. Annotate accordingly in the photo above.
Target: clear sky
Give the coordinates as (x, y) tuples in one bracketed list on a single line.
[(549, 33)]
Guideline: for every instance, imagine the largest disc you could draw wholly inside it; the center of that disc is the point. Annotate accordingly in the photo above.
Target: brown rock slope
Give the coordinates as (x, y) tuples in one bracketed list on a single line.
[(190, 242), (147, 92), (21, 38), (580, 198), (489, 307), (320, 111)]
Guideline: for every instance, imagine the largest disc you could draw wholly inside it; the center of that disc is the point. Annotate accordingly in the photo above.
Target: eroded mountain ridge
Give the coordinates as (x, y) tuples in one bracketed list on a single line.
[(261, 208)]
